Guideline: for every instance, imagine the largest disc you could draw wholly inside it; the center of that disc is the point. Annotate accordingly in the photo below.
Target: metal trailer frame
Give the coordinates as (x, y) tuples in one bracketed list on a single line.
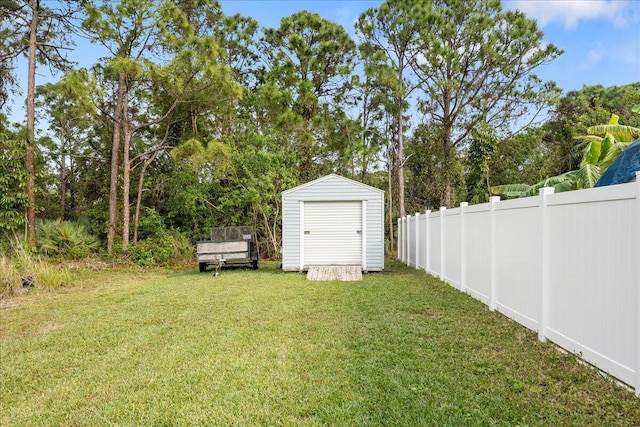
[(232, 246)]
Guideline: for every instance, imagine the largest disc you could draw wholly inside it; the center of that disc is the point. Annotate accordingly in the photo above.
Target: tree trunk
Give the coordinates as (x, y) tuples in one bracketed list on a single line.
[(400, 143), (400, 166), (115, 148), (63, 173), (446, 197), (136, 215), (448, 157), (390, 198), (31, 120), (126, 174)]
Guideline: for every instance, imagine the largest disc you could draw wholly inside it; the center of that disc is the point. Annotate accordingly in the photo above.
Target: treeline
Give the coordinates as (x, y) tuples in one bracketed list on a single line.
[(194, 118)]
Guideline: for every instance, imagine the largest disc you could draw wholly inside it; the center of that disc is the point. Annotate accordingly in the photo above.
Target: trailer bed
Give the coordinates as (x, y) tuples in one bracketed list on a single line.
[(231, 246)]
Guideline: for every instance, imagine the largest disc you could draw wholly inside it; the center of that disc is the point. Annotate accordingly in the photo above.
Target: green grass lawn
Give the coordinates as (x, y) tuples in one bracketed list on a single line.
[(167, 347)]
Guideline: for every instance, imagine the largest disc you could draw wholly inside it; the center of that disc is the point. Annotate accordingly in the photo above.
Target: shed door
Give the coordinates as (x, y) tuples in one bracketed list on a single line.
[(332, 233)]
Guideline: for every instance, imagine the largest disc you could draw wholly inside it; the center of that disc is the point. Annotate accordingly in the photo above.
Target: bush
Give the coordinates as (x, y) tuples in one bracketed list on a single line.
[(151, 224), (10, 282), (66, 239), (165, 248), (24, 269)]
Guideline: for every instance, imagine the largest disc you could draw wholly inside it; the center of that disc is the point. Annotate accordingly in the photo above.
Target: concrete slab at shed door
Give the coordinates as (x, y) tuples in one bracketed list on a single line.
[(332, 233)]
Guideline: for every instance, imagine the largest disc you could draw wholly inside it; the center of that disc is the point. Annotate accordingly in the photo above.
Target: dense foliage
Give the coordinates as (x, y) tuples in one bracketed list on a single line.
[(195, 119)]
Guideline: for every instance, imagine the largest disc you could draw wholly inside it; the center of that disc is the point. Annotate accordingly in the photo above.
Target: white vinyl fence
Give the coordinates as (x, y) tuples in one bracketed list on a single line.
[(566, 265)]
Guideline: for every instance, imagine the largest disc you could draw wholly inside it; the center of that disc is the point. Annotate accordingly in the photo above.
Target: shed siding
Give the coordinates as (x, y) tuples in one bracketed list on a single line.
[(333, 188)]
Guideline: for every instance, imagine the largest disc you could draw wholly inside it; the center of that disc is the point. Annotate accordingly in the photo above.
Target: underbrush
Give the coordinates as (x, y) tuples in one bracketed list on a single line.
[(25, 271), (164, 250)]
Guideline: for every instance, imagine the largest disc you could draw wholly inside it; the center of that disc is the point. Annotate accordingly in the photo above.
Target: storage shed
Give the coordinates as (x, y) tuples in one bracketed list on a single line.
[(333, 221)]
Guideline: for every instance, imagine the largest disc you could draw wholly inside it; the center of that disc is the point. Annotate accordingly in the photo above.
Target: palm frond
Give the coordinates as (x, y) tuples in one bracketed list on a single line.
[(588, 175), (620, 132), (612, 154), (563, 182), (510, 191)]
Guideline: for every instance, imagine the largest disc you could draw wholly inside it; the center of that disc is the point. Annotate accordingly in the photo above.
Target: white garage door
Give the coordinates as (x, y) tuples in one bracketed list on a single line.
[(332, 233)]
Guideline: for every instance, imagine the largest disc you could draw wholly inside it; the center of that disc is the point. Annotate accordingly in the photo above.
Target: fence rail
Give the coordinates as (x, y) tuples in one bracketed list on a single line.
[(566, 265)]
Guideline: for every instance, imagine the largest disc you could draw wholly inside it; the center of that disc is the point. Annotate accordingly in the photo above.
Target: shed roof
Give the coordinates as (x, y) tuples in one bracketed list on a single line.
[(331, 176)]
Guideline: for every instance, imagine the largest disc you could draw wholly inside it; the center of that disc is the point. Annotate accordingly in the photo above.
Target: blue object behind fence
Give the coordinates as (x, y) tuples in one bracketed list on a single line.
[(624, 168)]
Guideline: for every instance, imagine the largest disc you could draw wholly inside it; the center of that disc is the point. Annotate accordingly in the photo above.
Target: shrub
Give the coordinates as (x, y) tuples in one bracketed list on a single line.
[(25, 269), (9, 277), (151, 224), (163, 249), (66, 239)]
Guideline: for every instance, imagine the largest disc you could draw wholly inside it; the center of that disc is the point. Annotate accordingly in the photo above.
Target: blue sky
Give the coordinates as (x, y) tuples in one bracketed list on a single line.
[(601, 38)]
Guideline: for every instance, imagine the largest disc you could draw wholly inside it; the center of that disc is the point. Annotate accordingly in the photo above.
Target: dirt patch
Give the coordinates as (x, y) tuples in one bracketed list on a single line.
[(49, 328)]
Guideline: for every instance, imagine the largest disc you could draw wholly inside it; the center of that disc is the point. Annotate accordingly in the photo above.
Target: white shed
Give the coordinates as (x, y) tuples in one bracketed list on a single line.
[(333, 221)]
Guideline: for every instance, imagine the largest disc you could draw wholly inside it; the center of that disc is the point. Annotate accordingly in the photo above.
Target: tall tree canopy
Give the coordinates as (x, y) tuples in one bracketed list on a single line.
[(311, 60), (477, 64), (390, 45), (41, 32)]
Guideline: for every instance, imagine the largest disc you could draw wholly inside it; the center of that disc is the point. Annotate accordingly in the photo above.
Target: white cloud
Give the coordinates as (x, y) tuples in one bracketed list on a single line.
[(571, 12), (594, 56)]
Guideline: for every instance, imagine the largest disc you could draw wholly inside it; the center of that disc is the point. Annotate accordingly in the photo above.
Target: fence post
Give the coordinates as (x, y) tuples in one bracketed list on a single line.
[(399, 251), (427, 241), (403, 223), (407, 253), (417, 238), (463, 256), (637, 384), (492, 254), (442, 242), (543, 320), (408, 242)]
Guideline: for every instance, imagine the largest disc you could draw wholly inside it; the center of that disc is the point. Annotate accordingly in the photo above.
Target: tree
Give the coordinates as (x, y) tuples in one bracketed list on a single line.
[(148, 92), (13, 177), (390, 35), (426, 169), (481, 149), (48, 31), (10, 38), (69, 108), (311, 59), (477, 64), (127, 30)]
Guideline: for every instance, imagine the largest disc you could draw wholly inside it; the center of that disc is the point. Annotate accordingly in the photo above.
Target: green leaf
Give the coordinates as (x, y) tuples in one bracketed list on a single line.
[(619, 132), (588, 175), (592, 153), (510, 190)]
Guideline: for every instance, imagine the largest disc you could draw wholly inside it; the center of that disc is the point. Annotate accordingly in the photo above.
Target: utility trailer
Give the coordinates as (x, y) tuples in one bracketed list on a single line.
[(228, 246)]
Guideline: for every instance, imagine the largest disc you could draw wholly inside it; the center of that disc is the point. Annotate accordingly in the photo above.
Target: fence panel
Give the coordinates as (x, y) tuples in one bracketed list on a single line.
[(421, 246), (593, 297), (477, 246), (411, 238), (518, 266), (566, 265), (452, 247), (434, 243)]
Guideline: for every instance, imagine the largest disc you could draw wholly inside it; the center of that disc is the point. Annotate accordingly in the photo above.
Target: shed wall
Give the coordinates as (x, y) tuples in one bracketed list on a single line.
[(333, 188)]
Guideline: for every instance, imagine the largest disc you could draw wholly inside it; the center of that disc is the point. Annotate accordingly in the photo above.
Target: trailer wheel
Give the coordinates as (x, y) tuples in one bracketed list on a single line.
[(203, 267), (254, 264)]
